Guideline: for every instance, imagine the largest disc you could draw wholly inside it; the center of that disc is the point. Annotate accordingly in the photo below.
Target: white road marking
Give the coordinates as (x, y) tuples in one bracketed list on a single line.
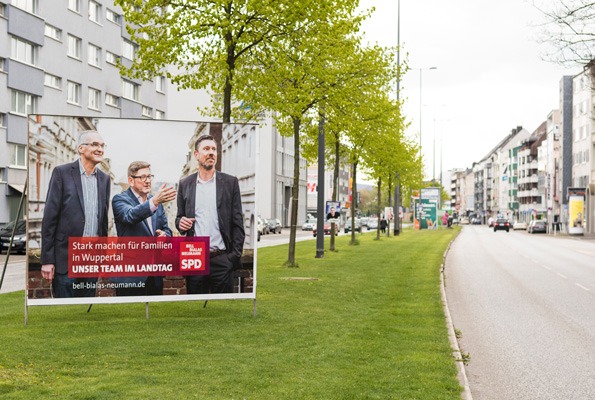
[(562, 276), (582, 287)]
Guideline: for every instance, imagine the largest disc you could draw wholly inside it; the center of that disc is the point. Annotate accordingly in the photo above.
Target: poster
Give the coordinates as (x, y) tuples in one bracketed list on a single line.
[(332, 211), (425, 216), (576, 217), (389, 214), (120, 263)]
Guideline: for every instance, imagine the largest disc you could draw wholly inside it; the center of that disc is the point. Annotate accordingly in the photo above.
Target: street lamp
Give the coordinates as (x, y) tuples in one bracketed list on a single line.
[(397, 199)]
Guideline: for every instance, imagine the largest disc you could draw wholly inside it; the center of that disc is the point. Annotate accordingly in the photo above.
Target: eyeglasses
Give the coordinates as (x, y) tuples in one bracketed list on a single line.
[(95, 145), (143, 178)]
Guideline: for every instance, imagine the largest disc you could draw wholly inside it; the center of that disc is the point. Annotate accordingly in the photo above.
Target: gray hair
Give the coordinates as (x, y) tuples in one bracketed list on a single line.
[(83, 136)]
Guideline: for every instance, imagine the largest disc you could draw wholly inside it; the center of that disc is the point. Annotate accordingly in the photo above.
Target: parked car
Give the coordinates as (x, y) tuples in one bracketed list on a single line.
[(518, 225), (364, 221), (259, 227), (19, 242), (358, 225), (309, 225), (372, 223), (327, 229), (501, 224), (274, 225), (537, 226)]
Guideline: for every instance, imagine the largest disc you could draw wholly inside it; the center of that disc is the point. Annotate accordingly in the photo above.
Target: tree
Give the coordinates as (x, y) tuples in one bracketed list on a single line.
[(207, 42), (569, 30), (297, 73)]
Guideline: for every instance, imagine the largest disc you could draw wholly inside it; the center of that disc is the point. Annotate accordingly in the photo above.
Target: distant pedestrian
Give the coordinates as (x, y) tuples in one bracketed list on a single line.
[(383, 225), (445, 218)]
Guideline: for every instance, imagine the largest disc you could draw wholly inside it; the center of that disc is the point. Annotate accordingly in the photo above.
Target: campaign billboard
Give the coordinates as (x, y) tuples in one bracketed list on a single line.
[(139, 210)]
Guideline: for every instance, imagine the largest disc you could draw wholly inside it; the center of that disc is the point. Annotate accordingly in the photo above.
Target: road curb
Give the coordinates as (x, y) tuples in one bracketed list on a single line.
[(461, 375)]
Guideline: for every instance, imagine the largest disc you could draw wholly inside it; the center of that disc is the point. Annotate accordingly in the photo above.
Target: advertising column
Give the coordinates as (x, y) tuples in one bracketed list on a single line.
[(576, 214)]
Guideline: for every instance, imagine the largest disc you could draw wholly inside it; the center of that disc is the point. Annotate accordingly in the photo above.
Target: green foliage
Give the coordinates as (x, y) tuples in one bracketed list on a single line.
[(365, 322), (202, 44)]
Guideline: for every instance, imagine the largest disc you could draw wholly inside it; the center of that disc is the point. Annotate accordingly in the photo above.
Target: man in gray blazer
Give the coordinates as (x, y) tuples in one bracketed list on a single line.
[(210, 204), (138, 213), (77, 204)]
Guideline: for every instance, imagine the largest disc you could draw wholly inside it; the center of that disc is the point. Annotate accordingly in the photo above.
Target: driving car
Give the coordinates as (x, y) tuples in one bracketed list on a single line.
[(518, 225), (19, 242), (501, 224), (327, 229), (358, 225), (537, 226), (309, 225), (274, 225)]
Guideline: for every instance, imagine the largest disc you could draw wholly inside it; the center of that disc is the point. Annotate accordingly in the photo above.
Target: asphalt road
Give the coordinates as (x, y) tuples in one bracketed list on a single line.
[(14, 274), (525, 306)]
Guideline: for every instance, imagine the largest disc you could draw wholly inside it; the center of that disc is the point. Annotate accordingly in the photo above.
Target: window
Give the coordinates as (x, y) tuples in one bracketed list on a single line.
[(94, 98), (147, 111), (18, 154), (111, 57), (23, 103), (2, 10), (74, 5), (128, 49), (129, 90), (94, 11), (74, 93), (160, 84), (113, 17), (27, 5), (53, 32), (52, 81), (112, 100), (74, 47), (2, 64), (159, 114), (2, 120), (94, 55), (23, 51)]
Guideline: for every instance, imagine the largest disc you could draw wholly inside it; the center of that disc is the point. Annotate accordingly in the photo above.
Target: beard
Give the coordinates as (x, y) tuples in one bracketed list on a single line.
[(206, 166)]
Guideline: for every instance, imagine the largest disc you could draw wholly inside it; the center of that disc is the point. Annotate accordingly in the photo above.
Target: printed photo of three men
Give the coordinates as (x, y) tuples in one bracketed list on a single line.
[(134, 210)]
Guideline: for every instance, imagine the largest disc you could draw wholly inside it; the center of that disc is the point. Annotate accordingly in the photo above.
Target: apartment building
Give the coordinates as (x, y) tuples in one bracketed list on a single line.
[(60, 58), (530, 197), (583, 165)]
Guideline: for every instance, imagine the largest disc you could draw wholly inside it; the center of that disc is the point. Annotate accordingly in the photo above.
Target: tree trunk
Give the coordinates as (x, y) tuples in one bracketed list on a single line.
[(354, 200), (335, 227), (295, 191), (231, 64), (390, 188), (378, 208)]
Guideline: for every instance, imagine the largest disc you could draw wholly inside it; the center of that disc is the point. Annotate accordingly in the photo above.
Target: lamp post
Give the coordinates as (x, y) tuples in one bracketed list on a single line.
[(397, 199)]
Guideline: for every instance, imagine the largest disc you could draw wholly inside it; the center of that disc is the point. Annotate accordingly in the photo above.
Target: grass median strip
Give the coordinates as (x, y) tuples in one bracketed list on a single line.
[(363, 322)]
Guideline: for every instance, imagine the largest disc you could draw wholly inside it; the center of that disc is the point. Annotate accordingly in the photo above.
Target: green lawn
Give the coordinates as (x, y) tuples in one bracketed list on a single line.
[(367, 325)]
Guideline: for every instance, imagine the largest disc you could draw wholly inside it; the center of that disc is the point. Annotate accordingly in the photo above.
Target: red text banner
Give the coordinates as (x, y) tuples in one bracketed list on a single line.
[(96, 257)]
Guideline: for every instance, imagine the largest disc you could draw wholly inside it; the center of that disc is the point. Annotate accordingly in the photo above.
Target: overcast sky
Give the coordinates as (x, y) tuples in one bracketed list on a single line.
[(490, 76)]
